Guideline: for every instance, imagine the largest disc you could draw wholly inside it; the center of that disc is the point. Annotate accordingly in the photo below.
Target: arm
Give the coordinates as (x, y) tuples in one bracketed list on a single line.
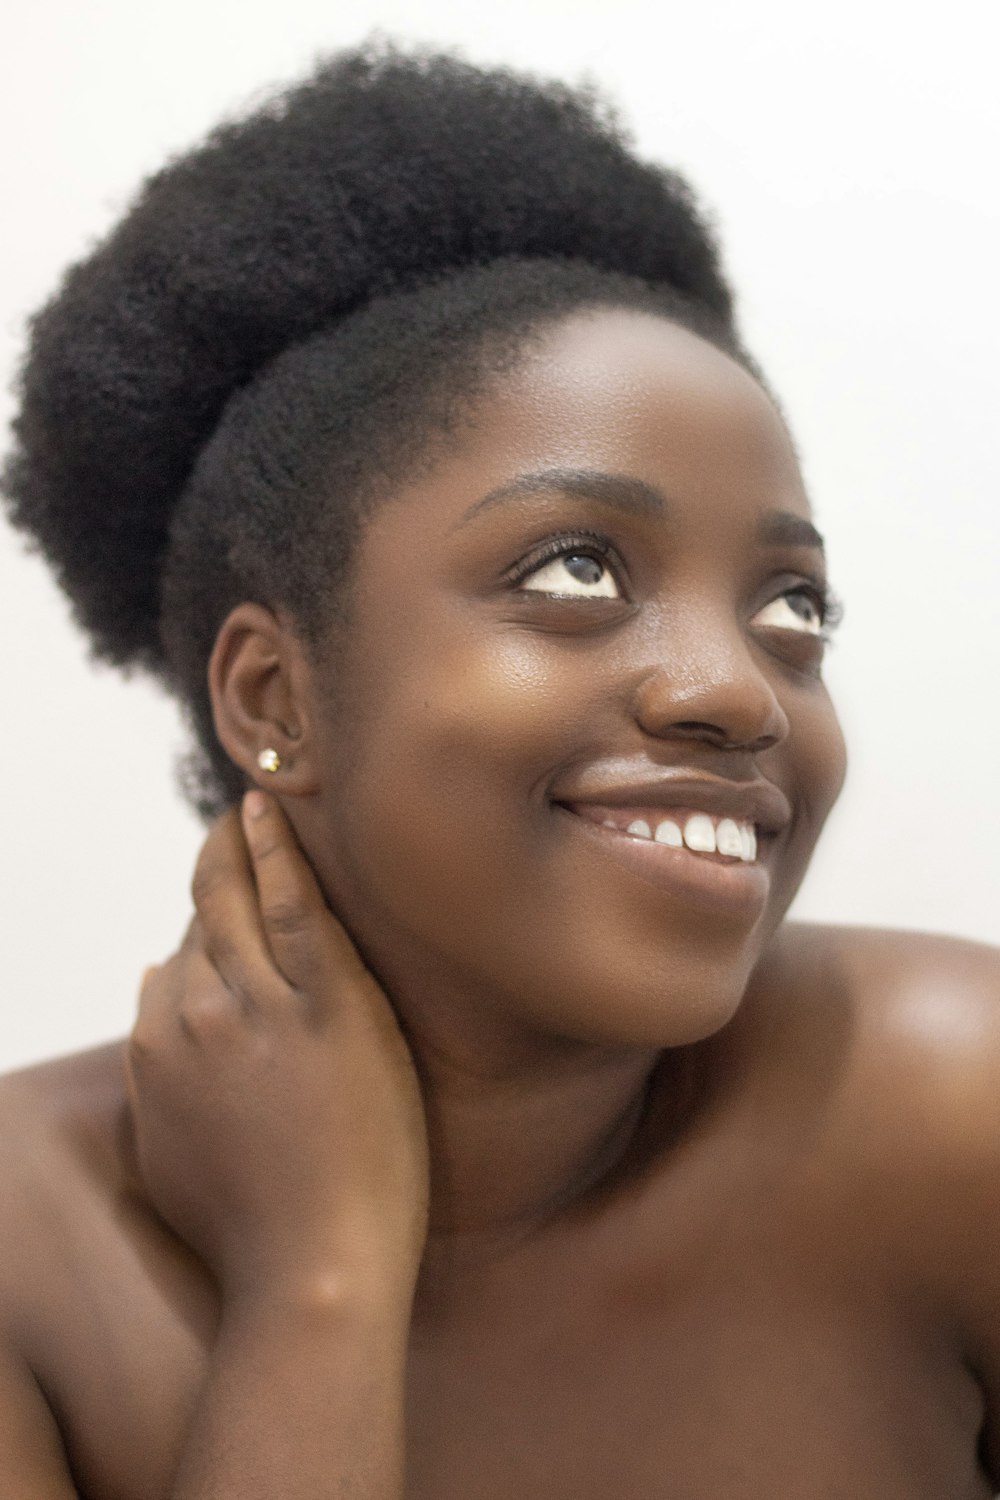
[(304, 1399), (32, 1461), (280, 1132)]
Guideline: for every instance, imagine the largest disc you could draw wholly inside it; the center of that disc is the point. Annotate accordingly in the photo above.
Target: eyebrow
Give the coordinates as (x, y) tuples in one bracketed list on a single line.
[(619, 491), (783, 528), (623, 492)]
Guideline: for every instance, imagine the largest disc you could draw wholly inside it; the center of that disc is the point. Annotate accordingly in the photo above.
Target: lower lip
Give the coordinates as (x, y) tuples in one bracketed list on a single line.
[(740, 889)]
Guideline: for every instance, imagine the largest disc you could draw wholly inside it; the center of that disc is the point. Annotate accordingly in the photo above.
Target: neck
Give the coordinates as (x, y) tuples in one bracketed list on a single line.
[(521, 1134), (523, 1125), (509, 1152)]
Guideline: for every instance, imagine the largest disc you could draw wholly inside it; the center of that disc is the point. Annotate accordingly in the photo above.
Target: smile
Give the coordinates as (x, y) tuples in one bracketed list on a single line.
[(686, 855), (699, 832)]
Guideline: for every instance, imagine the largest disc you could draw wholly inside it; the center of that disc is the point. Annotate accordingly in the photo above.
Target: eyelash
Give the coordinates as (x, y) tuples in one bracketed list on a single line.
[(592, 544), (589, 543), (831, 610)]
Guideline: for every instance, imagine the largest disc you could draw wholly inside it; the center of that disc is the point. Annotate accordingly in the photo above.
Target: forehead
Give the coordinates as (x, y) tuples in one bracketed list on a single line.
[(622, 393)]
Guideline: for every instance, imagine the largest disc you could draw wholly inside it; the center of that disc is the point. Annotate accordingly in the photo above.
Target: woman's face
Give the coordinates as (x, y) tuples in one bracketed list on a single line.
[(597, 609)]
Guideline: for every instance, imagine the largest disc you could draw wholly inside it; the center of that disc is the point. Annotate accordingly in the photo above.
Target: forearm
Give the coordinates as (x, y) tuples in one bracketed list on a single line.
[(304, 1399)]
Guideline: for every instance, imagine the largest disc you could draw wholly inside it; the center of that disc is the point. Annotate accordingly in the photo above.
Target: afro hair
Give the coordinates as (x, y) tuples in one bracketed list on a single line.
[(375, 234)]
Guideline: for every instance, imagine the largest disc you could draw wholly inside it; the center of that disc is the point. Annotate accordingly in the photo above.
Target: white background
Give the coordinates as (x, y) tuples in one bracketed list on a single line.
[(849, 154)]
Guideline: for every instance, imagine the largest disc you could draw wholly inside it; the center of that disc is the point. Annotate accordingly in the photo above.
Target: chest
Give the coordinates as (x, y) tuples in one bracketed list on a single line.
[(740, 1388), (735, 1379)]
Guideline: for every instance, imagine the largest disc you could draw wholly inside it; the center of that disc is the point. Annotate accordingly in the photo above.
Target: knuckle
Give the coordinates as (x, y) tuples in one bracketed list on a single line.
[(222, 950), (267, 846), (286, 917), (207, 1015)]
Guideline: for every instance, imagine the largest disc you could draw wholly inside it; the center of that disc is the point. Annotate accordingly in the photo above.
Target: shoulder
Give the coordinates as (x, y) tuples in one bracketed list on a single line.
[(894, 1040), (892, 960), (62, 1162), (67, 1104), (919, 1007), (905, 957), (901, 1031), (913, 1025)]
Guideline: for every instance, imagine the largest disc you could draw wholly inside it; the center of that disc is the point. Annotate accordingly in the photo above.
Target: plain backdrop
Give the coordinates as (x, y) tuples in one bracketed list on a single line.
[(849, 155)]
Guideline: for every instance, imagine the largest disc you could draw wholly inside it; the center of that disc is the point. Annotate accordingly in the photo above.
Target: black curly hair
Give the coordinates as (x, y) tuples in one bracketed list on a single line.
[(291, 314)]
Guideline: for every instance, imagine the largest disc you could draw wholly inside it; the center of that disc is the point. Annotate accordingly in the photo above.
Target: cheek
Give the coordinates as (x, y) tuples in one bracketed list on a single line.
[(445, 761), (453, 854), (814, 763), (464, 713), (823, 759), (449, 861)]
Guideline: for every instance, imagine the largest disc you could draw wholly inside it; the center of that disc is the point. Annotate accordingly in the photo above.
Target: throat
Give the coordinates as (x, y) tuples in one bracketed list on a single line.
[(507, 1170)]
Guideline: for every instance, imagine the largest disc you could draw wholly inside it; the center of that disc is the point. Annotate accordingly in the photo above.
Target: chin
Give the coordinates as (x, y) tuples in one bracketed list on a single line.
[(672, 1001)]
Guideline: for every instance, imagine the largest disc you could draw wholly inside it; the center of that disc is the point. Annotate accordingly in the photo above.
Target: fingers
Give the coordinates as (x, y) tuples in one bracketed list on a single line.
[(187, 991), (309, 945), (228, 923), (262, 919)]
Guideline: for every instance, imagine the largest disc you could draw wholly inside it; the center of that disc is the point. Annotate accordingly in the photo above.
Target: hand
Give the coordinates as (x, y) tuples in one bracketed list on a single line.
[(278, 1119)]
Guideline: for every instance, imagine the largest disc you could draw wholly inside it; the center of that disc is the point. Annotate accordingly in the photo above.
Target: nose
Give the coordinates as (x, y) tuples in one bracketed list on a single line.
[(706, 685)]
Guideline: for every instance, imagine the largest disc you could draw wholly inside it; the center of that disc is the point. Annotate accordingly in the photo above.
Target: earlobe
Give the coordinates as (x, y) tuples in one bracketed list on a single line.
[(259, 681)]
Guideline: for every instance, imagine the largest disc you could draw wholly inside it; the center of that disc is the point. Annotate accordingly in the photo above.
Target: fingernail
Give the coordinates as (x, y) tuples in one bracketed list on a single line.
[(255, 804)]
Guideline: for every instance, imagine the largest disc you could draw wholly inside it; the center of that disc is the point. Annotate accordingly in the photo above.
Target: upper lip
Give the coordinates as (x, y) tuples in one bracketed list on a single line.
[(759, 802)]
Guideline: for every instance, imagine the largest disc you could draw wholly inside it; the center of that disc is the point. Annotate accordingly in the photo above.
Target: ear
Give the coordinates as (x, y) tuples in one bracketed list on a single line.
[(260, 681)]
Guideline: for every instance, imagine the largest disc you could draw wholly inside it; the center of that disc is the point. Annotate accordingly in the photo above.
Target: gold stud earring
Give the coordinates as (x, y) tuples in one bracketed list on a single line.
[(269, 760)]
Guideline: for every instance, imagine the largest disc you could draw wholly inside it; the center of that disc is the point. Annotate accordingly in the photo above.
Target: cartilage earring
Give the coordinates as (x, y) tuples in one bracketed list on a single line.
[(269, 760)]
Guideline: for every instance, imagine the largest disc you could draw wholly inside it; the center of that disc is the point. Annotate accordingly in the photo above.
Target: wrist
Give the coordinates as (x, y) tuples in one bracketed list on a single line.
[(320, 1295)]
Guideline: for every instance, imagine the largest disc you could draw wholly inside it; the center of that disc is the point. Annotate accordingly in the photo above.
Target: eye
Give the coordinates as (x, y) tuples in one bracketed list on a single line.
[(573, 574), (796, 609)]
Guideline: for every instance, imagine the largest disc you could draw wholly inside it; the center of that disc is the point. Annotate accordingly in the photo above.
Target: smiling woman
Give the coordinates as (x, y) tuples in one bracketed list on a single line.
[(492, 1133), (498, 689)]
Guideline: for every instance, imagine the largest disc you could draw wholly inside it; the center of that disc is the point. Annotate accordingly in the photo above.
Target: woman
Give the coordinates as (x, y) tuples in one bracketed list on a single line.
[(490, 1135)]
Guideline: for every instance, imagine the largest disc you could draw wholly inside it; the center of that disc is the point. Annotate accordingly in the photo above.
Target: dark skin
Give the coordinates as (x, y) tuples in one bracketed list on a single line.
[(536, 1169)]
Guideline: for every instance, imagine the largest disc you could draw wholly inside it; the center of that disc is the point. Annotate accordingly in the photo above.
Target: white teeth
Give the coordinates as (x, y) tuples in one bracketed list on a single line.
[(735, 840), (728, 839), (699, 833)]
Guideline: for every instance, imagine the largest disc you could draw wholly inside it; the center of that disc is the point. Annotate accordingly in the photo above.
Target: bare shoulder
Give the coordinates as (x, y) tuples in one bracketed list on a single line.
[(62, 1163), (923, 1005), (67, 1103), (90, 1280), (906, 958), (912, 1026), (922, 1124), (902, 1033)]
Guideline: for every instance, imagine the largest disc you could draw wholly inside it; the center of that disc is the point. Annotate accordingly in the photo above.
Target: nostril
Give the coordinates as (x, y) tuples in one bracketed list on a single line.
[(694, 729), (746, 715)]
